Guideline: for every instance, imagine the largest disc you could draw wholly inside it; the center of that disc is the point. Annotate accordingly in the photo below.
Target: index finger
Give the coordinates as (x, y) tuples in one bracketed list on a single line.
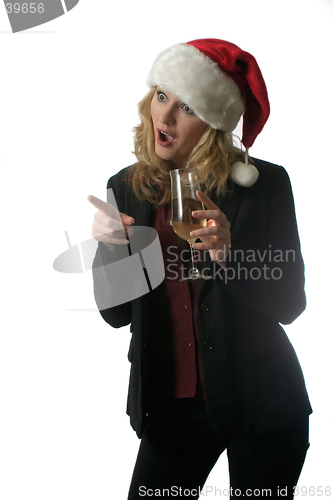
[(207, 201), (104, 207)]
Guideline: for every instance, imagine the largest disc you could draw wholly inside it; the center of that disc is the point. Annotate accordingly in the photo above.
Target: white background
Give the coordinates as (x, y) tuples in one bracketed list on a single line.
[(68, 101)]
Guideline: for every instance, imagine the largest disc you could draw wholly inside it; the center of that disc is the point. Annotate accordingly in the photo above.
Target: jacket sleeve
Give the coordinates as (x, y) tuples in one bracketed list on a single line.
[(105, 287), (265, 268)]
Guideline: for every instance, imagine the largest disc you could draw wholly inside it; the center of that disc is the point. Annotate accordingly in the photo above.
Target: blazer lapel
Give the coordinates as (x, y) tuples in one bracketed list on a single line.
[(141, 211), (229, 204)]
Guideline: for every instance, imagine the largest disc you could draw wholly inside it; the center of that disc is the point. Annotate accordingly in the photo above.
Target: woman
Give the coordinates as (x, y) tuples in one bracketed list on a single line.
[(212, 369)]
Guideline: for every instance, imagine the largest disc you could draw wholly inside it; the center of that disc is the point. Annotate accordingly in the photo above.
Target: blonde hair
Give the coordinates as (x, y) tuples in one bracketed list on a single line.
[(213, 157)]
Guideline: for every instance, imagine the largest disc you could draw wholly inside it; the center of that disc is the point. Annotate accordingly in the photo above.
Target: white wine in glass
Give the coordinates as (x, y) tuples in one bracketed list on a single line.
[(183, 227), (184, 185)]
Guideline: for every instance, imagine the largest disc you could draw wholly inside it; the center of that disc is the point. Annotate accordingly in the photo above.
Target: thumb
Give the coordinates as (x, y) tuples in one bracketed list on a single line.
[(126, 219)]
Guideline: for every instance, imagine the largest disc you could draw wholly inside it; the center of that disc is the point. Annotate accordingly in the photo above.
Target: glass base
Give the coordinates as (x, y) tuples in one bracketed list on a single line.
[(194, 274)]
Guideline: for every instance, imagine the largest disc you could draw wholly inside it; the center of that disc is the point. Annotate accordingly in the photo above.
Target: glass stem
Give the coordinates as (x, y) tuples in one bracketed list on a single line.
[(194, 272)]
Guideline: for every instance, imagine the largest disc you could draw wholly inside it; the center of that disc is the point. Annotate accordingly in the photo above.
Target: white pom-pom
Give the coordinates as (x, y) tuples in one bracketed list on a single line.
[(244, 174)]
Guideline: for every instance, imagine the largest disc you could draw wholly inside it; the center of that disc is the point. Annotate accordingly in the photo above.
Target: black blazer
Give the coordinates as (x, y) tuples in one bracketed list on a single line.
[(253, 382)]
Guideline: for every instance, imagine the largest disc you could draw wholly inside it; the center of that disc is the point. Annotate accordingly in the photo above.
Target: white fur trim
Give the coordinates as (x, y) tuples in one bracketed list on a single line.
[(199, 82), (244, 174)]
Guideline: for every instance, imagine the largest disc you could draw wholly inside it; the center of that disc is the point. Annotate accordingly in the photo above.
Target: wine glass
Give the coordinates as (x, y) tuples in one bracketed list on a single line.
[(184, 184)]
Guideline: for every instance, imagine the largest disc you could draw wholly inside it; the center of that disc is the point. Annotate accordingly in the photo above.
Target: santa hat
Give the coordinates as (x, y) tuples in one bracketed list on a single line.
[(220, 82)]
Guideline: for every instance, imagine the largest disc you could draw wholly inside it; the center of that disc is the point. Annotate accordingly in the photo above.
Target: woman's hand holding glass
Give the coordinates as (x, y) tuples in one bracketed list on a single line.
[(215, 237), (110, 226)]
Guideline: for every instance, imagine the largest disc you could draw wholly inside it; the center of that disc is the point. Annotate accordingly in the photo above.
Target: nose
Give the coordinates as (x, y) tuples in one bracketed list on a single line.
[(168, 114)]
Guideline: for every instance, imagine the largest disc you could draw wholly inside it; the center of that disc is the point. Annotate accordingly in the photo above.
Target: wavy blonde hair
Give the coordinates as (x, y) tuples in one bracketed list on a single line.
[(213, 157)]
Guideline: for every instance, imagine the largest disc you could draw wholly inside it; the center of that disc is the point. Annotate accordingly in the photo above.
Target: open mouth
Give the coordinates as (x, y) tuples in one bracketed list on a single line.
[(164, 138)]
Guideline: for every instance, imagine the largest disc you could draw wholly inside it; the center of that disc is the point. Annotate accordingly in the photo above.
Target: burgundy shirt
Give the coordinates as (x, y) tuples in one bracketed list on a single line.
[(177, 364)]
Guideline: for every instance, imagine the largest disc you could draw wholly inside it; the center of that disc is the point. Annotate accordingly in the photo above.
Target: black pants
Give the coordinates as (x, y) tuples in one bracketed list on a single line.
[(179, 449)]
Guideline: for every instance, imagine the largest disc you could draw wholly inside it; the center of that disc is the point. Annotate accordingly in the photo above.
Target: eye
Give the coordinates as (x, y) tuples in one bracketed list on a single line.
[(187, 109), (161, 97)]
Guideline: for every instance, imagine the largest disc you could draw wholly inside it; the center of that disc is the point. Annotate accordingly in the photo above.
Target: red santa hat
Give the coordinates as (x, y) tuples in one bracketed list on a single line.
[(220, 82)]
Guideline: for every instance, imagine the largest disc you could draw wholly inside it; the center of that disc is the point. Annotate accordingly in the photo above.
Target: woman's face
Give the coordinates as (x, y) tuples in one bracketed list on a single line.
[(177, 129)]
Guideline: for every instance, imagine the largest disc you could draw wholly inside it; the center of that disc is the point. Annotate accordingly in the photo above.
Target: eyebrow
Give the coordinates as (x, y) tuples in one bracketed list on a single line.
[(158, 89)]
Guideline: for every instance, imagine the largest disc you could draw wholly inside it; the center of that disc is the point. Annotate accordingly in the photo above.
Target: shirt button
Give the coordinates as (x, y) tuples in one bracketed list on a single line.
[(205, 307), (185, 308), (189, 345)]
